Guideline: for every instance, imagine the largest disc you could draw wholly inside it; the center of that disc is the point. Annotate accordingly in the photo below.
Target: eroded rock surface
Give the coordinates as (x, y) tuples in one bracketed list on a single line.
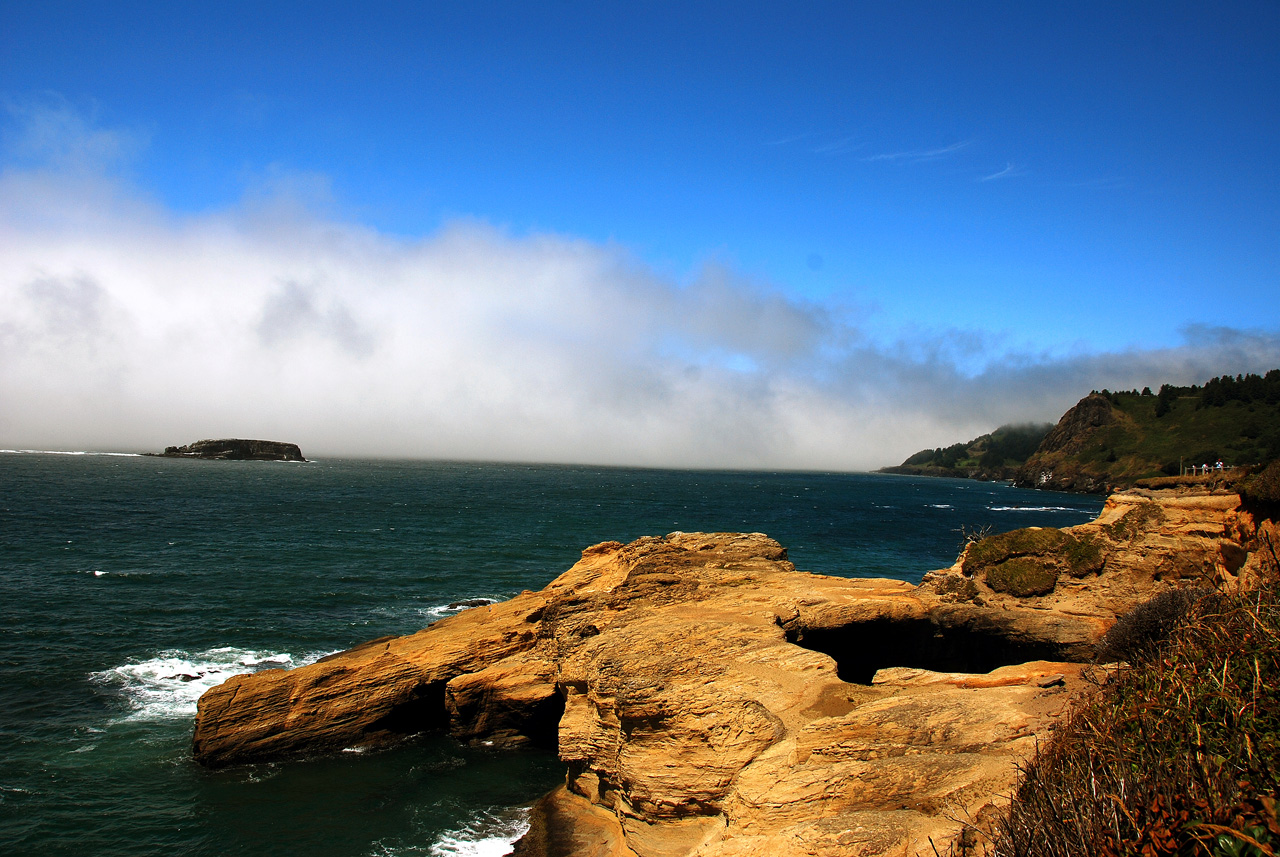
[(1143, 542), (708, 699)]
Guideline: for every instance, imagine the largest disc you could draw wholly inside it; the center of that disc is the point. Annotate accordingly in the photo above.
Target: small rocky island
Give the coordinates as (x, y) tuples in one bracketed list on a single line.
[(236, 449)]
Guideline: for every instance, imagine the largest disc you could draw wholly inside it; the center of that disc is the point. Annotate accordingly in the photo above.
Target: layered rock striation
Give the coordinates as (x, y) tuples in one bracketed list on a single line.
[(708, 699)]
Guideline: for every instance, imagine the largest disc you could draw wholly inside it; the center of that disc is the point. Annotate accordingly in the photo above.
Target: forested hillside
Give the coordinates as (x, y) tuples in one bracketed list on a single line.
[(1112, 439), (992, 456), (1116, 438)]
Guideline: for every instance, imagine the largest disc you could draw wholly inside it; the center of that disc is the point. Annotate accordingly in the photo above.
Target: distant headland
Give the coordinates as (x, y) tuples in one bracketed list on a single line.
[(1223, 430), (235, 449)]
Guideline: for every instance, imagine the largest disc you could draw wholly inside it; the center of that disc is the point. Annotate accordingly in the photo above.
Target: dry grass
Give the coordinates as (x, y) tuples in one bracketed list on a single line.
[(1178, 753)]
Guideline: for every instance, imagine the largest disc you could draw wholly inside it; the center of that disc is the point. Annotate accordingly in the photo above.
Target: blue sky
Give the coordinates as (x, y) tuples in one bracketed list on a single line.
[(940, 200)]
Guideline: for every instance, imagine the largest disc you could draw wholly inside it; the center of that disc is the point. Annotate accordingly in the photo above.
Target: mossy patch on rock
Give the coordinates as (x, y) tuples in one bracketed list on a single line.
[(1022, 577), (1053, 551), (1136, 521), (952, 587), (1083, 556), (1029, 541)]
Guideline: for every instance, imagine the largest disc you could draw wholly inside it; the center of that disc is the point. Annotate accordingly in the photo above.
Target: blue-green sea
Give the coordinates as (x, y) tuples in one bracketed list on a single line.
[(129, 585)]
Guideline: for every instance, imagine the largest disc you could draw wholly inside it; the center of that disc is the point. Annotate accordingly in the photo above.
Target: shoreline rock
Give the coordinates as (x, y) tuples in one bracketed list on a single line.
[(708, 699)]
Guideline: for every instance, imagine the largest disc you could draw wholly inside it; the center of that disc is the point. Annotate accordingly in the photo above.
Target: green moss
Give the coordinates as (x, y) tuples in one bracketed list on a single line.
[(1136, 521), (1027, 541), (1083, 556), (953, 587), (1022, 577)]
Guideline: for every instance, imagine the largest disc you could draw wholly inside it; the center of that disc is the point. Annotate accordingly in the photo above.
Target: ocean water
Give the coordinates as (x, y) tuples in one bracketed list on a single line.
[(129, 585)]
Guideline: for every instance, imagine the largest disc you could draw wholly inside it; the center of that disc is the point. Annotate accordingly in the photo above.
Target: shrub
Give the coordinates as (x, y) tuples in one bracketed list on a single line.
[(1138, 634), (1263, 487), (1022, 577)]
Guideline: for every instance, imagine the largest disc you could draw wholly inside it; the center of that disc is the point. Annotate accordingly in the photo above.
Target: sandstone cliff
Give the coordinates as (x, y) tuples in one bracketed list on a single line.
[(708, 699), (237, 449)]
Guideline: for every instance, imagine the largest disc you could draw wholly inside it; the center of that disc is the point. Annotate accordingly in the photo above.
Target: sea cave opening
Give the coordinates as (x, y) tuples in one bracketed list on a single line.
[(862, 648)]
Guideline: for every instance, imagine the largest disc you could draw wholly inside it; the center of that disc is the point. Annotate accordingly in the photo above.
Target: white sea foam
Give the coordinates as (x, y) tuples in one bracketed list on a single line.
[(486, 835), (939, 505), (67, 452), (442, 610), (169, 684), (1037, 509)]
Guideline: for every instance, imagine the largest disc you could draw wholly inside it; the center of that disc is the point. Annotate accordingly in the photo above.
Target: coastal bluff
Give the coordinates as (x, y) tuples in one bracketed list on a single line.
[(709, 699), (235, 449)]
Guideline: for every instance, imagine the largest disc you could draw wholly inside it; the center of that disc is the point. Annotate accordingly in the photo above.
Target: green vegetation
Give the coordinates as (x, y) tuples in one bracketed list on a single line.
[(1028, 562), (1022, 577), (1135, 522), (1236, 420), (1083, 556), (1029, 541), (1178, 753), (1113, 439), (992, 456), (1263, 487)]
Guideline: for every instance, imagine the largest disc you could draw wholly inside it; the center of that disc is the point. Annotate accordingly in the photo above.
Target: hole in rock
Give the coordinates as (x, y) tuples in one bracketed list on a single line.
[(542, 724), (422, 711), (862, 648)]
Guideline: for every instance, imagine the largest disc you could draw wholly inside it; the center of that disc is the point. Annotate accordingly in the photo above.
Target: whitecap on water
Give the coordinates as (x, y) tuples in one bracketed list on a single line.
[(1037, 509), (169, 684), (488, 834), (458, 606)]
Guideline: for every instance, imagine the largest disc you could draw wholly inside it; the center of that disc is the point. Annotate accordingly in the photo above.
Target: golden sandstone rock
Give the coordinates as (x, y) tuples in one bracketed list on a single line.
[(709, 699)]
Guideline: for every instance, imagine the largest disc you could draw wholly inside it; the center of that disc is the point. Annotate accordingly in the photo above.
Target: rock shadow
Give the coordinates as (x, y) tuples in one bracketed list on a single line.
[(862, 648)]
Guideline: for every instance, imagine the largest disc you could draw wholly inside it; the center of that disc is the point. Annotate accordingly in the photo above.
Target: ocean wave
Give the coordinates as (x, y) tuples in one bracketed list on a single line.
[(488, 834), (442, 610), (940, 506), (433, 613), (1038, 509), (169, 684)]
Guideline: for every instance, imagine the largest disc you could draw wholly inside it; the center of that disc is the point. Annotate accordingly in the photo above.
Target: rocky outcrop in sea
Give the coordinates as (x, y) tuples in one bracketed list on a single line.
[(236, 449), (707, 698)]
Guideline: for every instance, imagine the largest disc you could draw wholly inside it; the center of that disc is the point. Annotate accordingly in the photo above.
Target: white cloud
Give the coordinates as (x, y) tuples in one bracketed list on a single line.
[(1010, 171), (125, 326), (50, 130), (917, 155)]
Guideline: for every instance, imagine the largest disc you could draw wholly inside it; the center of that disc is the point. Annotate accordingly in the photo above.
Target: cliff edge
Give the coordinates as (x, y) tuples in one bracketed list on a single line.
[(708, 699)]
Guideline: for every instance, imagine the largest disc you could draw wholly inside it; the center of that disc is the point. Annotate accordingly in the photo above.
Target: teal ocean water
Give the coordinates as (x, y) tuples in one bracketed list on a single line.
[(129, 585)]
